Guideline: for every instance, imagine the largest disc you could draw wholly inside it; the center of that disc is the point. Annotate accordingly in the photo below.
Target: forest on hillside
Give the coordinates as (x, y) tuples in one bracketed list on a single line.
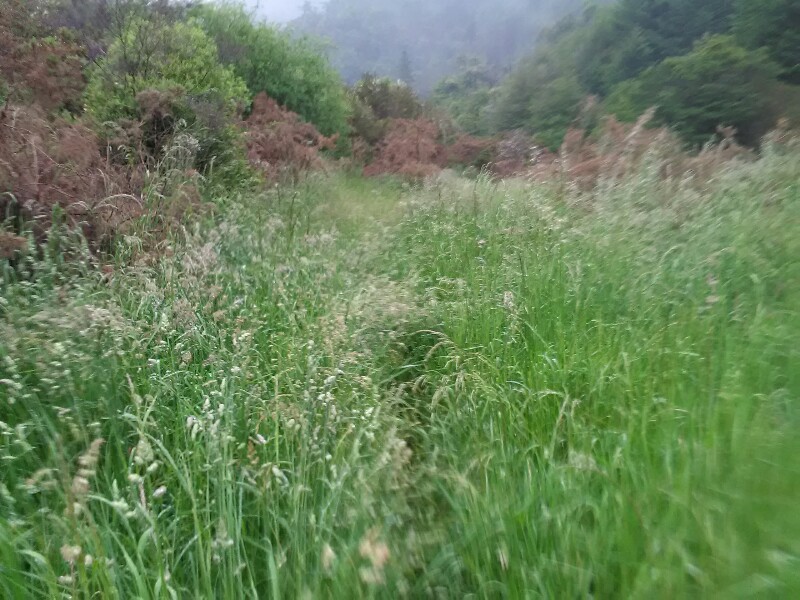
[(545, 66), (734, 63), (421, 41)]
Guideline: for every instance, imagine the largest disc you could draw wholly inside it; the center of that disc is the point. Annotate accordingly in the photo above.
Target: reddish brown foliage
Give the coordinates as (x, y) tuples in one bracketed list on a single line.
[(410, 148), (516, 153), (46, 71), (10, 244), (280, 143), (470, 151), (44, 166), (622, 148)]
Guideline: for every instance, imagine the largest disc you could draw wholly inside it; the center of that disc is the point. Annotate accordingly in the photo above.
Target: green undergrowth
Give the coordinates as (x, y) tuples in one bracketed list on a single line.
[(354, 388)]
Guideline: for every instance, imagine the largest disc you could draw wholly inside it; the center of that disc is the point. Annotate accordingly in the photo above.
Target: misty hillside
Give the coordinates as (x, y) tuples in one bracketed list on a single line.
[(423, 40)]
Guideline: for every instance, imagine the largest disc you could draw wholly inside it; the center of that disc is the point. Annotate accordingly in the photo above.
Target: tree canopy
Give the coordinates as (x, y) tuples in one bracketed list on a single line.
[(704, 64), (293, 71)]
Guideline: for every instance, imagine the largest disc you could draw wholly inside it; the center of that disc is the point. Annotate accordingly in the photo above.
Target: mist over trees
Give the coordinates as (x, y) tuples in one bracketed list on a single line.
[(702, 64), (276, 11), (426, 40)]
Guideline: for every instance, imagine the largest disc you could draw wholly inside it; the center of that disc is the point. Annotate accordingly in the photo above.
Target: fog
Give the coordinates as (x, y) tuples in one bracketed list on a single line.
[(279, 11), (419, 41)]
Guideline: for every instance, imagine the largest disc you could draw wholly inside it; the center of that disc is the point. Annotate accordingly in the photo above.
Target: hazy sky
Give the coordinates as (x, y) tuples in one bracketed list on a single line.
[(277, 10)]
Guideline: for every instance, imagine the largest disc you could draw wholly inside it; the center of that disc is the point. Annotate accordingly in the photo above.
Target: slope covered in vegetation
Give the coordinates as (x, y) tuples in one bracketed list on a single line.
[(490, 389), (420, 41), (231, 366), (703, 64)]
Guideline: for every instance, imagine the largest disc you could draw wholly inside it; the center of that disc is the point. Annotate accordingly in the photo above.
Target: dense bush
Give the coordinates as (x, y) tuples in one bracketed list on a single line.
[(293, 72), (181, 61), (374, 100), (774, 25), (38, 64), (718, 83), (466, 94)]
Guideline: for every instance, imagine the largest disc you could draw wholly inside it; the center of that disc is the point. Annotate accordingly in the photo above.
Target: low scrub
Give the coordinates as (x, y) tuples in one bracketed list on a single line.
[(56, 172), (194, 93), (38, 65), (280, 144), (410, 148), (467, 387)]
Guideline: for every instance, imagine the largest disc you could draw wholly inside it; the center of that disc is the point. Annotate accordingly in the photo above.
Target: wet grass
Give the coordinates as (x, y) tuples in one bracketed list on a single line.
[(462, 389)]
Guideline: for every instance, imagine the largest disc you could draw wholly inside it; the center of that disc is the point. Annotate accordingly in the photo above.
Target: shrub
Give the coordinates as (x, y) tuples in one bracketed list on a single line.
[(375, 100), (280, 144), (292, 71), (38, 65), (49, 169), (177, 59), (411, 148)]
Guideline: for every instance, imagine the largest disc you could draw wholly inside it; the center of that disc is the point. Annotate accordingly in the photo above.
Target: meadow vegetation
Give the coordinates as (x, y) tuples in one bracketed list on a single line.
[(365, 388), (232, 365)]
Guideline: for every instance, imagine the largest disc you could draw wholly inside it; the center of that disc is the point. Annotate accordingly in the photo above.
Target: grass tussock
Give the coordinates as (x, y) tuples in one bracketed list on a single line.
[(468, 388)]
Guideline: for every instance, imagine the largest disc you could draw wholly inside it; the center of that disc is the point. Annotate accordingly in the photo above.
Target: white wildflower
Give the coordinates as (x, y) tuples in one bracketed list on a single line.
[(70, 554), (280, 476), (328, 558), (508, 301)]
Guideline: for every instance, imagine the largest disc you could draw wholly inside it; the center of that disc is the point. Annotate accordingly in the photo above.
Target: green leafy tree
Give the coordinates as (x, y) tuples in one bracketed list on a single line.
[(406, 70), (677, 54), (774, 25), (292, 71), (180, 60), (623, 40), (718, 83), (543, 97), (388, 99), (466, 95), (554, 106), (375, 100)]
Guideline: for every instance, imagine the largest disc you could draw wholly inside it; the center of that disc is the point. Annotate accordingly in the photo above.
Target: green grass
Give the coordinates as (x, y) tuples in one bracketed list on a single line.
[(360, 388)]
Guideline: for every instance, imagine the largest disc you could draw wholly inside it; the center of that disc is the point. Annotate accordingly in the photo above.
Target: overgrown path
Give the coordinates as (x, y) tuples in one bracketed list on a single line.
[(356, 388)]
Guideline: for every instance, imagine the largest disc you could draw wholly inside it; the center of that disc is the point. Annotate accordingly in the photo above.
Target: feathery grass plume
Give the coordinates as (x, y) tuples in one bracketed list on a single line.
[(376, 552), (81, 482)]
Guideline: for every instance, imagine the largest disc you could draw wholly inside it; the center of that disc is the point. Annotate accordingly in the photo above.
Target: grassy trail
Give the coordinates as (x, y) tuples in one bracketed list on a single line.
[(465, 389)]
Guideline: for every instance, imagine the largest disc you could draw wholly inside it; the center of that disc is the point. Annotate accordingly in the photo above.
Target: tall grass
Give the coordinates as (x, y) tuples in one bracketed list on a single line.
[(469, 388)]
